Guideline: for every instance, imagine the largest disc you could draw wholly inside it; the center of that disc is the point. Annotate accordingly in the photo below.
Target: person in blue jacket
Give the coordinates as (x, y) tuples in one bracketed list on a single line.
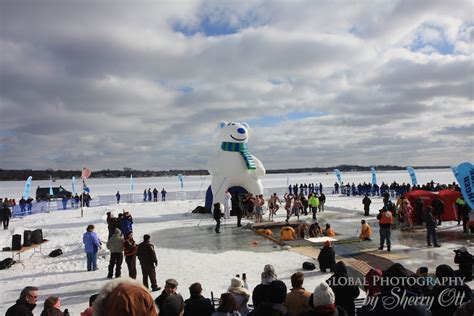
[(92, 244), (126, 223), (117, 196)]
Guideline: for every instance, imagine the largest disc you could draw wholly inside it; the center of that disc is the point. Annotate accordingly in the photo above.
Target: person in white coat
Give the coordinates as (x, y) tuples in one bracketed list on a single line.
[(227, 204)]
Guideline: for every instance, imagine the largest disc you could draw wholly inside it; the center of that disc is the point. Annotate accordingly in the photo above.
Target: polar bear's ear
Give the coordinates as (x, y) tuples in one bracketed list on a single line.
[(222, 124), (246, 125)]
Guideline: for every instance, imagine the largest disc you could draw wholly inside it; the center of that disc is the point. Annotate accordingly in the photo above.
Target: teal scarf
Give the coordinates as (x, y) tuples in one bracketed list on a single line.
[(242, 149)]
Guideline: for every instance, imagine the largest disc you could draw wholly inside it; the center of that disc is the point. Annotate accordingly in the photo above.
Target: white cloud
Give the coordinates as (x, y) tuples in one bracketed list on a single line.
[(118, 86)]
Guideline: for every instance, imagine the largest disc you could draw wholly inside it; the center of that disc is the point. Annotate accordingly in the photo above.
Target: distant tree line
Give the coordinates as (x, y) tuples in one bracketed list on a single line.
[(23, 174)]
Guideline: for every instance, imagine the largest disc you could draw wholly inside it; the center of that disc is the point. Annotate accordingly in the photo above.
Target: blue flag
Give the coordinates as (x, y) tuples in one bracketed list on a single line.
[(374, 176), (412, 174), (338, 175), (85, 188), (73, 185), (132, 184), (51, 186), (464, 173), (26, 192), (180, 178)]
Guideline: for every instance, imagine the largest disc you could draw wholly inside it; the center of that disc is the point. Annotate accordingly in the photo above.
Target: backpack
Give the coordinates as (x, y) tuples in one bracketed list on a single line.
[(55, 253), (6, 263), (308, 266)]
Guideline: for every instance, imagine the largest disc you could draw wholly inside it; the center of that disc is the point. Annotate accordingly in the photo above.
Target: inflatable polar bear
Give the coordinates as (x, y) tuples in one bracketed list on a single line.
[(233, 165)]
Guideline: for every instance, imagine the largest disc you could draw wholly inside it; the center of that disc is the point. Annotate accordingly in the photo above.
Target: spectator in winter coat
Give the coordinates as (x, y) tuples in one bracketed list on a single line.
[(52, 307), (466, 309), (163, 194), (25, 304), (117, 196), (297, 301), (344, 292), (197, 305), (276, 298), (112, 223), (322, 201), (366, 201), (323, 302), (438, 208), (372, 282), (227, 306), (92, 245), (217, 217), (90, 310), (170, 303), (147, 257), (6, 214), (115, 245), (441, 305), (130, 252), (126, 223), (124, 297), (240, 294), (327, 257), (393, 292), (430, 221), (260, 292), (155, 195)]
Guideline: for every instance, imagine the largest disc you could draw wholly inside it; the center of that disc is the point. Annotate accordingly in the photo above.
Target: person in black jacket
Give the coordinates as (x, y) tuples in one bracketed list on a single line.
[(366, 201), (438, 208), (344, 292), (447, 298), (237, 208), (25, 305), (197, 305), (5, 214), (217, 214), (327, 257), (430, 222), (147, 257)]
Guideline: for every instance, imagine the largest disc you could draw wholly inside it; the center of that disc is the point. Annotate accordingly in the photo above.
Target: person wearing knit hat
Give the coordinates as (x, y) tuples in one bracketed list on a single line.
[(323, 301), (124, 297), (327, 257), (260, 292), (240, 294)]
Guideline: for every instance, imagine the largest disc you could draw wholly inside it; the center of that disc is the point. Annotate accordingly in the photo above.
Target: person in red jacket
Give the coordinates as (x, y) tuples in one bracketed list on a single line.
[(130, 253)]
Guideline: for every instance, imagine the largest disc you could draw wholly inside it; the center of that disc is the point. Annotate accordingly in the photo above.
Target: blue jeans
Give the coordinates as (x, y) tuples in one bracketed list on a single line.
[(91, 261)]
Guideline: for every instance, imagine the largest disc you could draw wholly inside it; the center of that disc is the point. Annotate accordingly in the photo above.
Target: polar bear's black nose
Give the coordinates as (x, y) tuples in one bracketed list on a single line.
[(241, 130)]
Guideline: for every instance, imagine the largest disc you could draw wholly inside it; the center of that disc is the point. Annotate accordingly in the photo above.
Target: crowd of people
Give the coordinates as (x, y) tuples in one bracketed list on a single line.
[(399, 189), (336, 296), (148, 194)]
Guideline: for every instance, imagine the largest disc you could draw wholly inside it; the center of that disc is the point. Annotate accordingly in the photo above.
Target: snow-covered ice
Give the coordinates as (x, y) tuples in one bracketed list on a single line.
[(208, 258)]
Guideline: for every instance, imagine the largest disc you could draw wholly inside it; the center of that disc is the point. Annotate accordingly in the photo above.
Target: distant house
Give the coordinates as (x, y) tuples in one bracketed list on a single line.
[(42, 194)]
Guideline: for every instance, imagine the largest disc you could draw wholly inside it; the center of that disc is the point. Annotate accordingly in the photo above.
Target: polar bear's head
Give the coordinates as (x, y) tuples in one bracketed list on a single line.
[(234, 132)]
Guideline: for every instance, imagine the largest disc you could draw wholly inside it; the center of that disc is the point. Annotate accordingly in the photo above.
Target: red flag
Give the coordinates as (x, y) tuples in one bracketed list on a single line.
[(86, 173)]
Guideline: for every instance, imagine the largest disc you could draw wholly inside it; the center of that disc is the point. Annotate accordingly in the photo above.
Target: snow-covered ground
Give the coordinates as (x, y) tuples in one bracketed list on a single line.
[(66, 276)]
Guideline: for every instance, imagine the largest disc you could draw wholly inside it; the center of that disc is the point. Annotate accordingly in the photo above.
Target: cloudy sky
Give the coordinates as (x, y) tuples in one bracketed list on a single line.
[(143, 84)]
